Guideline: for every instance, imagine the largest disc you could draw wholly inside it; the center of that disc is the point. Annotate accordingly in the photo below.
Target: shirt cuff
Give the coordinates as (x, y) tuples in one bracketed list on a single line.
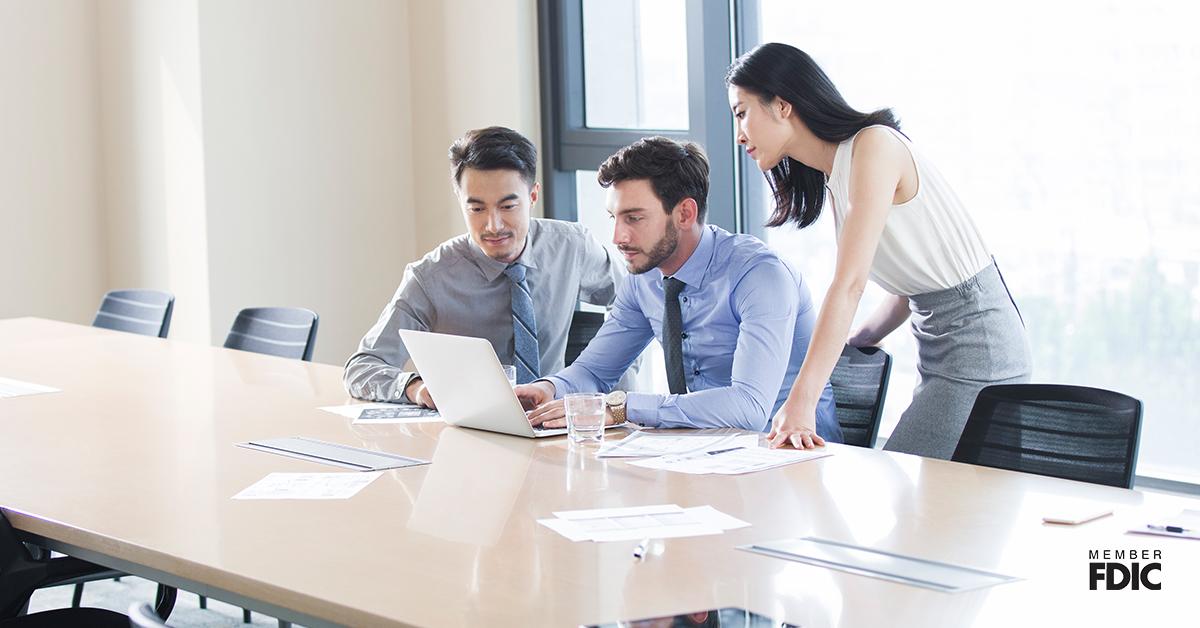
[(561, 387), (400, 394), (642, 408)]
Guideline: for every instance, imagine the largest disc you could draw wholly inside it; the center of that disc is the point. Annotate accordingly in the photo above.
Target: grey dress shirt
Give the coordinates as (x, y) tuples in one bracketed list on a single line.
[(457, 289)]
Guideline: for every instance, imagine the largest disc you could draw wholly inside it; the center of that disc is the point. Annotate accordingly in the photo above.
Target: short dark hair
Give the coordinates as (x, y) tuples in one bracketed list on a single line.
[(493, 148), (675, 170)]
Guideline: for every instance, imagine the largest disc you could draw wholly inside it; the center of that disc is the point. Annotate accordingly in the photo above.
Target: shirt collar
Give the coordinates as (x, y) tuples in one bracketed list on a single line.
[(491, 268), (695, 270)]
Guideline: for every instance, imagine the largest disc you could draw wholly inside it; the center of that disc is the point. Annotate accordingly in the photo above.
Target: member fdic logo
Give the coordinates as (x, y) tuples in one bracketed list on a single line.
[(1120, 569)]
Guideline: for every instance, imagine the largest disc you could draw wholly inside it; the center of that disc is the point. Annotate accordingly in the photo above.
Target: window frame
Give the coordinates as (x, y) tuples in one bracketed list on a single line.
[(717, 32), (569, 145)]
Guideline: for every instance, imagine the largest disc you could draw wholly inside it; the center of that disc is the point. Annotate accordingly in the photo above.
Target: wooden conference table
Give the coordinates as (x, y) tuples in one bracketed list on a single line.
[(133, 465)]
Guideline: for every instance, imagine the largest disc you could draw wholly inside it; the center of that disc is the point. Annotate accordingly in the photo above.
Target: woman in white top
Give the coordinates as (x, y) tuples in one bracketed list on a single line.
[(898, 223)]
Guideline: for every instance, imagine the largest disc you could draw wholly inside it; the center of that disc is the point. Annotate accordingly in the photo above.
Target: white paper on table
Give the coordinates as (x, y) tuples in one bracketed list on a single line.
[(641, 522), (597, 513), (712, 516), (1189, 520), (743, 460), (17, 388), (308, 486), (648, 444), (566, 528), (352, 411), (664, 532)]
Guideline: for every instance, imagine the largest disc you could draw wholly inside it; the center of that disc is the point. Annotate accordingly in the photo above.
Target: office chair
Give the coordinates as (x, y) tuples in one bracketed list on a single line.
[(584, 326), (146, 312), (21, 574), (287, 332), (859, 384), (143, 616), (1071, 432)]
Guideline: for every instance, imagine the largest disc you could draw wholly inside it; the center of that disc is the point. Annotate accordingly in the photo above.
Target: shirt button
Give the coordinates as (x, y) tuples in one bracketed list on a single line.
[(683, 335), (696, 372), (685, 299)]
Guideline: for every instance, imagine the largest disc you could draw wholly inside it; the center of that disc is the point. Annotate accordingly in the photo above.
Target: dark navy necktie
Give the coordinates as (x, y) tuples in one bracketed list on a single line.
[(673, 336), (525, 342)]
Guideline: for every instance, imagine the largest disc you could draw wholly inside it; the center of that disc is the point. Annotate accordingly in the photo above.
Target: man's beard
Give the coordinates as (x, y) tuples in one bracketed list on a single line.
[(664, 248)]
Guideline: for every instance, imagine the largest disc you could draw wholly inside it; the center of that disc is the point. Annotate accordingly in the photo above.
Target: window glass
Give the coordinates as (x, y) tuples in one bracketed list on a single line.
[(635, 64), (1072, 140)]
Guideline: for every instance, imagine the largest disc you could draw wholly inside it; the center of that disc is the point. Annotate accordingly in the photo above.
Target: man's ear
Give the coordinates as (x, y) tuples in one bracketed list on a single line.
[(533, 193), (686, 212)]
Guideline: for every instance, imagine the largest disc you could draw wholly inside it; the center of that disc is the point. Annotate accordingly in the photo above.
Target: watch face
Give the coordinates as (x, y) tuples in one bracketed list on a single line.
[(615, 398)]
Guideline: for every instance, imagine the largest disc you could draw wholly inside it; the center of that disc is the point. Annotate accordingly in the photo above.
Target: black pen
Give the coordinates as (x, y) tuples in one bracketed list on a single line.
[(1171, 529), (721, 451)]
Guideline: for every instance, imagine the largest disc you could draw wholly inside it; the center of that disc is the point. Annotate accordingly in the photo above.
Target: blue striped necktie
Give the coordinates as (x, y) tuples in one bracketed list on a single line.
[(525, 342)]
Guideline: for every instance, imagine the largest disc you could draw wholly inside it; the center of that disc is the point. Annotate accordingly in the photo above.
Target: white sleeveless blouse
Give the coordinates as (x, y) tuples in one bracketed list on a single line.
[(929, 243)]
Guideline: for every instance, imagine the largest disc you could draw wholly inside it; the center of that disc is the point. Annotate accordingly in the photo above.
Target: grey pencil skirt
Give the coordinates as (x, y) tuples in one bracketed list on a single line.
[(968, 337)]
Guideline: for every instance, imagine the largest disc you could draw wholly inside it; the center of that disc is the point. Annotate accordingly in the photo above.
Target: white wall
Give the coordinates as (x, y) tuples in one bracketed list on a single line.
[(476, 66), (151, 123), (243, 153), (307, 154), (52, 256)]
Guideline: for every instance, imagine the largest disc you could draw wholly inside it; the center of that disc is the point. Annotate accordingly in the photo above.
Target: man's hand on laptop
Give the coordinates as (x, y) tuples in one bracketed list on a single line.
[(535, 393), (538, 397), (417, 393), (548, 412)]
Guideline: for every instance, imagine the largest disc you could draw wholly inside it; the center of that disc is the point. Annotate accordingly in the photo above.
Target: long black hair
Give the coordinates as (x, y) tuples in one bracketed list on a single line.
[(781, 70)]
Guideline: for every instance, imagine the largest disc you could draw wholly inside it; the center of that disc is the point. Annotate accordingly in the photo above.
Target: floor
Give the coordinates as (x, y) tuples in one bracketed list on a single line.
[(118, 596)]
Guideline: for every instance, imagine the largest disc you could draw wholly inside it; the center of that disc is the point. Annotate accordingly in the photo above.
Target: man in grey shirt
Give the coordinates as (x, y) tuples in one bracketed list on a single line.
[(512, 280)]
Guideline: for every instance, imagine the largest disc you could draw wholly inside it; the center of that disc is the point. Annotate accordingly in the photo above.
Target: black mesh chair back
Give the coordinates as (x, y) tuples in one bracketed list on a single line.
[(287, 332), (859, 383), (584, 326), (146, 312), (1070, 432)]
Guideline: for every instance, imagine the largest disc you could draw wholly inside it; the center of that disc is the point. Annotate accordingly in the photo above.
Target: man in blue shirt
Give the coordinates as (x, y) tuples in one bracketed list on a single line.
[(734, 320)]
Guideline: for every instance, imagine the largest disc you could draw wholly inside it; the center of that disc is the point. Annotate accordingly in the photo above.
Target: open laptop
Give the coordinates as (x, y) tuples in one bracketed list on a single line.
[(464, 377)]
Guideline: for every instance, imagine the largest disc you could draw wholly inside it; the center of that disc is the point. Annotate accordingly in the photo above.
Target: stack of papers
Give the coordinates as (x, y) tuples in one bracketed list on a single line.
[(732, 461), (646, 444), (379, 413), (641, 522), (308, 486), (1185, 525), (15, 388)]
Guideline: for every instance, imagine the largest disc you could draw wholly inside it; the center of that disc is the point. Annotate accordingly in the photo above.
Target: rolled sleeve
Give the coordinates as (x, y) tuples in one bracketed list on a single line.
[(376, 371)]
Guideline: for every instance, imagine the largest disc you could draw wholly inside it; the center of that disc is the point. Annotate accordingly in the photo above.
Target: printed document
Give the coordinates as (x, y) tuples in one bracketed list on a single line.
[(308, 486), (641, 522), (647, 444), (732, 461), (381, 413)]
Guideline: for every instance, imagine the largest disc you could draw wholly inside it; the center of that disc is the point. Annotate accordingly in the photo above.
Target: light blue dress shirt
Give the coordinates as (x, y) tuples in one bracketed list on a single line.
[(747, 321)]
